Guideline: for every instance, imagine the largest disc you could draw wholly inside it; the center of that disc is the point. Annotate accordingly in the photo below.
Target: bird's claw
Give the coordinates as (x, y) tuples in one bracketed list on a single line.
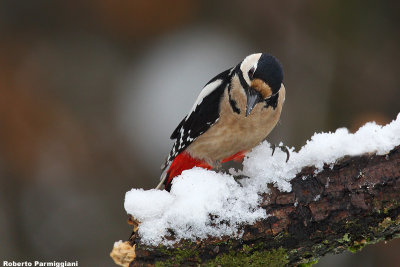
[(283, 148)]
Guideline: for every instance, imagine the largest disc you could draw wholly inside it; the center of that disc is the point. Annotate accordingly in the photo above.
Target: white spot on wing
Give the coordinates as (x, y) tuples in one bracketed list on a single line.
[(205, 92)]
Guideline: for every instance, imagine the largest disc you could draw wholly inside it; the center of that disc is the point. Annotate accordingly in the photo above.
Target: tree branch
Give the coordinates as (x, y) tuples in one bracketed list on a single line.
[(352, 204)]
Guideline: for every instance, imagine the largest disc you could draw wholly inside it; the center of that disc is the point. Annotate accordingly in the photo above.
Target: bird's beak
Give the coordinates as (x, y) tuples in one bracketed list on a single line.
[(253, 97)]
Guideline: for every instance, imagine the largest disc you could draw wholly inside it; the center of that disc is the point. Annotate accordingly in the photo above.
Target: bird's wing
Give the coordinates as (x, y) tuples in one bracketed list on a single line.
[(202, 116)]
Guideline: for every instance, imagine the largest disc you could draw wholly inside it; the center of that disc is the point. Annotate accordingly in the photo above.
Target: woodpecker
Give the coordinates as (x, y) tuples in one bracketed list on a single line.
[(234, 112)]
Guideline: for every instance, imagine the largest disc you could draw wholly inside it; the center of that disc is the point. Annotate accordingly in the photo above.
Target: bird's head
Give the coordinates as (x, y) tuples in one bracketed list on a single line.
[(261, 77)]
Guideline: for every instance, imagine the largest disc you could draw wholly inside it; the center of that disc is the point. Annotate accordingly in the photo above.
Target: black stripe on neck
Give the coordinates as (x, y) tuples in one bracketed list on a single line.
[(232, 102), (272, 101), (243, 82)]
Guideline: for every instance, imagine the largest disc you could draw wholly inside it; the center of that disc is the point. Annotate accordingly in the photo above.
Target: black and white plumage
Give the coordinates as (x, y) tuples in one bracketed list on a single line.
[(254, 84), (203, 115)]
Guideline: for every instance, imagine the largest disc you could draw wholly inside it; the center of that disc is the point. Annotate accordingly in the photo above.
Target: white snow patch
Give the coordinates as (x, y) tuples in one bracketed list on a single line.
[(205, 203), (117, 243), (196, 195), (323, 148)]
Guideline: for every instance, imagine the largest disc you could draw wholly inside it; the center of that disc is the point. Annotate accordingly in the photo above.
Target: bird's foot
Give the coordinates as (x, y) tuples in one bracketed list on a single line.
[(283, 148)]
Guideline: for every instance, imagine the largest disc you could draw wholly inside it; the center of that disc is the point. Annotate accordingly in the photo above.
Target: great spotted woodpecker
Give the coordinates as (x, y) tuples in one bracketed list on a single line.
[(234, 112)]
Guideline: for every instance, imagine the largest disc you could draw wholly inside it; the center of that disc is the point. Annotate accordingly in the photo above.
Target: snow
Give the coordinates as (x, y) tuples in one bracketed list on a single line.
[(186, 210), (118, 243), (205, 203), (323, 148)]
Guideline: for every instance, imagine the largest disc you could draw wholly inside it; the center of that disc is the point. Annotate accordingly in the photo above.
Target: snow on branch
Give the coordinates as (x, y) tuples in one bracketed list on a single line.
[(326, 198)]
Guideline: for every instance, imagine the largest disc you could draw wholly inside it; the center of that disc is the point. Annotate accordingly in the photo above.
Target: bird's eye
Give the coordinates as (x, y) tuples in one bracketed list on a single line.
[(251, 73)]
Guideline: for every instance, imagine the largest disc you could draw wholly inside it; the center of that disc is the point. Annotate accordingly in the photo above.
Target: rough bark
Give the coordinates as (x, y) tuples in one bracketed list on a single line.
[(345, 207)]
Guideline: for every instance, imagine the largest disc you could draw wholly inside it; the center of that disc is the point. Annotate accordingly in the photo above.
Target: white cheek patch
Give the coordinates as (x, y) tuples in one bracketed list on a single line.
[(248, 63), (255, 67), (246, 77), (209, 88)]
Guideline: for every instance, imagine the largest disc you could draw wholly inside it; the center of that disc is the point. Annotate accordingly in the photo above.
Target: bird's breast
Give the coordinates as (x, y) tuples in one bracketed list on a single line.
[(235, 132)]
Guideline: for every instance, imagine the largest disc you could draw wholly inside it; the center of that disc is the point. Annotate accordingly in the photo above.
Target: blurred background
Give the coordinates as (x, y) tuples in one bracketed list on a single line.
[(91, 90)]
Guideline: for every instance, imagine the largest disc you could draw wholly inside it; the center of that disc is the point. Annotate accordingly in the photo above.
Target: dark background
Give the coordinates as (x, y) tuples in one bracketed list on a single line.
[(91, 90)]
